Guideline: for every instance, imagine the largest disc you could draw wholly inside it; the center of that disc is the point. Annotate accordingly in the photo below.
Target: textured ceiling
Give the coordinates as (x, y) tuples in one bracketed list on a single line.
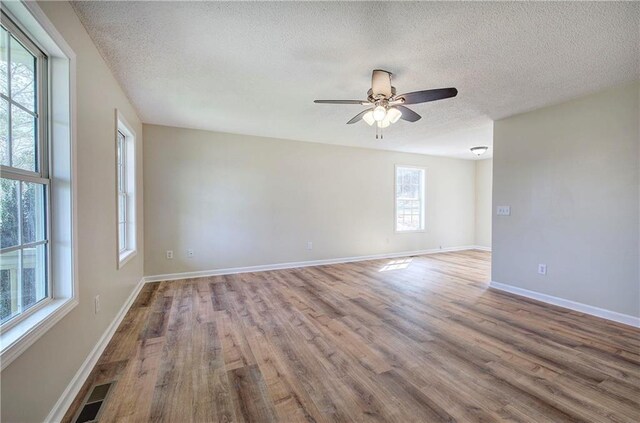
[(255, 68)]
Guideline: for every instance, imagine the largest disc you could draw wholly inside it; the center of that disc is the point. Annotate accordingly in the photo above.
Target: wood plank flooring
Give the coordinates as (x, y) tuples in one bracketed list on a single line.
[(419, 339)]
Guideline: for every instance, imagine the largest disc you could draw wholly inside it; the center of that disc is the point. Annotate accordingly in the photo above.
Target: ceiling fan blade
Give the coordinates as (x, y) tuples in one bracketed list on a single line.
[(428, 95), (360, 102), (357, 117), (381, 83), (408, 114)]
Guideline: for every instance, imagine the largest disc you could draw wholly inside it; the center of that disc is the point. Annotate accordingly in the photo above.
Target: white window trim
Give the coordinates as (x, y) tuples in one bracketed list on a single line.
[(122, 125), (63, 163), (40, 175), (424, 200)]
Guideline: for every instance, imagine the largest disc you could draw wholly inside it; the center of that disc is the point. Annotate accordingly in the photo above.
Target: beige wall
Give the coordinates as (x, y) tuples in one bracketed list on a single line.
[(484, 185), (570, 174), (33, 382), (243, 200)]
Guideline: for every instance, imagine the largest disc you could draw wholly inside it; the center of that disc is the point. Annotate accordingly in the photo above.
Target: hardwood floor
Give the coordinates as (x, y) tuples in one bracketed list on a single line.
[(418, 339)]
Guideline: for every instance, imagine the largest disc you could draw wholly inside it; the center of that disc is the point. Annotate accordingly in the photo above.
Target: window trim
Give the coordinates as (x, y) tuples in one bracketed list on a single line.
[(60, 124), (423, 208), (42, 154), (130, 173)]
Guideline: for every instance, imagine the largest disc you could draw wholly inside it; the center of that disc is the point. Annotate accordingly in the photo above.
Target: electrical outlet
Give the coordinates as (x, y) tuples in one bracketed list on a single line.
[(169, 254), (309, 245), (96, 302), (189, 252), (542, 269)]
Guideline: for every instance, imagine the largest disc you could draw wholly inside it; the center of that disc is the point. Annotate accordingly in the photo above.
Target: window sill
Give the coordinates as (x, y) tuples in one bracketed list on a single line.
[(125, 257), (18, 338)]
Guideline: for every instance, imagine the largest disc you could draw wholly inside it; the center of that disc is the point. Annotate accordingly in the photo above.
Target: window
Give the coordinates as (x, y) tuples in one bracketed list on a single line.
[(125, 188), (122, 194), (24, 181), (38, 266), (409, 199)]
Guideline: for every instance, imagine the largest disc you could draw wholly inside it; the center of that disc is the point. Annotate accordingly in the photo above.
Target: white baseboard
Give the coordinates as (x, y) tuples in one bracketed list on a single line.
[(572, 305), (64, 402), (291, 265), (482, 248)]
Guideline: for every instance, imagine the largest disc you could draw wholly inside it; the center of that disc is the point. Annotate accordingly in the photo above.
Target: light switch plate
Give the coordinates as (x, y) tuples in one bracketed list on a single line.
[(504, 211)]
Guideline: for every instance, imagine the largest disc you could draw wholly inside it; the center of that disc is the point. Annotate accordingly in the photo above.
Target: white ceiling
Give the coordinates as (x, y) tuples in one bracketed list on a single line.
[(255, 68)]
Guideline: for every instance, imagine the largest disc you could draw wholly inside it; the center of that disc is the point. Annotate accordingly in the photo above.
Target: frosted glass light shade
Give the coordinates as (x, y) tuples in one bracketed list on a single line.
[(368, 117), (379, 113), (393, 115)]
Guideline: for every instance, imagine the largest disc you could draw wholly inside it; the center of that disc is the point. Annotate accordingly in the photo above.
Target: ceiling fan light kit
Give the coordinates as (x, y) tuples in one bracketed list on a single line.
[(385, 107), (384, 117)]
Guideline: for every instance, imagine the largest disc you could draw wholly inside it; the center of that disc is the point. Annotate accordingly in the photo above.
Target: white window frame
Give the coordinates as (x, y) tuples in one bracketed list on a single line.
[(423, 224), (60, 127), (39, 176), (126, 191)]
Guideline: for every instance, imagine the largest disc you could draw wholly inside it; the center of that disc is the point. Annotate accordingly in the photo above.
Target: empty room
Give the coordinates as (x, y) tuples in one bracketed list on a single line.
[(319, 211)]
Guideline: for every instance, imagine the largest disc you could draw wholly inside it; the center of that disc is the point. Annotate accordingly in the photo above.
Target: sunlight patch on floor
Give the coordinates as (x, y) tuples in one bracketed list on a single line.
[(397, 264)]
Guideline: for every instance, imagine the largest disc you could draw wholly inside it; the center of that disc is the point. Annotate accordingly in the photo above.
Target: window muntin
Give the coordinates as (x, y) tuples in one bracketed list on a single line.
[(409, 199), (24, 178)]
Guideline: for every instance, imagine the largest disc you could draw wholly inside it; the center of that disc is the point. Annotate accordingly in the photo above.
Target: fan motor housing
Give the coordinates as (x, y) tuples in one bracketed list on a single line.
[(373, 99)]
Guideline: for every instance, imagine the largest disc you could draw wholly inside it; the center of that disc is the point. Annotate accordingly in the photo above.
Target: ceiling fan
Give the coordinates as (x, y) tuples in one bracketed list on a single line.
[(385, 107)]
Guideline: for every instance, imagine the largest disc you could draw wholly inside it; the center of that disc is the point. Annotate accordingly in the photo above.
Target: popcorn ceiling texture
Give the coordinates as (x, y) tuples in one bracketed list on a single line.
[(255, 68)]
